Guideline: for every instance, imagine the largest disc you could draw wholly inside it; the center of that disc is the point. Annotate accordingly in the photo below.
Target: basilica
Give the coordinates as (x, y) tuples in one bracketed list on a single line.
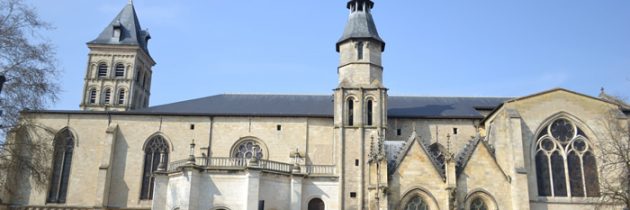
[(355, 149)]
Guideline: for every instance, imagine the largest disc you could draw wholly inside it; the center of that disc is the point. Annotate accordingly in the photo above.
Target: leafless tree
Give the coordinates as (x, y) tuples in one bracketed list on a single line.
[(26, 158), (27, 60), (615, 161)]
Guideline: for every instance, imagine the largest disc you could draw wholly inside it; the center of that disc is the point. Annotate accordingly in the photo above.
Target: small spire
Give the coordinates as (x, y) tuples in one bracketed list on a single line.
[(130, 2)]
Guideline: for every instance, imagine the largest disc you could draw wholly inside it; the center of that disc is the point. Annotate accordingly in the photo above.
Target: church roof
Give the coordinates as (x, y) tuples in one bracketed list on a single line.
[(322, 106), (360, 25), (131, 32)]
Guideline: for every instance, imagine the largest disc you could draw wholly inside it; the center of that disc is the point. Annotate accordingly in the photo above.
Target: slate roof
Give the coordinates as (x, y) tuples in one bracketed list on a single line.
[(322, 106), (131, 33), (360, 25)]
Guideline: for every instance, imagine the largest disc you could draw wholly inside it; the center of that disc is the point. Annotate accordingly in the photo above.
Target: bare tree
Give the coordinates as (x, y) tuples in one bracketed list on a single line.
[(615, 161), (27, 60), (26, 158)]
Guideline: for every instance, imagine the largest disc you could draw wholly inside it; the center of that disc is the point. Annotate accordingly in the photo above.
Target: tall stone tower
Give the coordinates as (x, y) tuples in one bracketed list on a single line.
[(360, 108), (118, 73)]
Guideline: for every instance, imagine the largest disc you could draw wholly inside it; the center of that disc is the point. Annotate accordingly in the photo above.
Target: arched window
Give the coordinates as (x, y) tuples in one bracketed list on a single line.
[(248, 149), (107, 96), (359, 50), (350, 112), (316, 204), (153, 151), (121, 96), (478, 204), (102, 70), (120, 70), (565, 164), (370, 113), (92, 96), (416, 203), (62, 160)]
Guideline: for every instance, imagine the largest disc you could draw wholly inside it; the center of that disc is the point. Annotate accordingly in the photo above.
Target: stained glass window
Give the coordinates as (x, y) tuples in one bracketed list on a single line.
[(478, 204), (62, 160), (417, 204), (565, 165), (154, 149), (248, 149)]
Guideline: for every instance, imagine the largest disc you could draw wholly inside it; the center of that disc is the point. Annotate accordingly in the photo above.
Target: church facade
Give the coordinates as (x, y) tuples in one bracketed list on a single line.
[(356, 149)]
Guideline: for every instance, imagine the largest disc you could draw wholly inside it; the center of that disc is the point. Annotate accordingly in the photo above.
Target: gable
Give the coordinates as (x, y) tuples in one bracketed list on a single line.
[(415, 160), (553, 101), (481, 162)]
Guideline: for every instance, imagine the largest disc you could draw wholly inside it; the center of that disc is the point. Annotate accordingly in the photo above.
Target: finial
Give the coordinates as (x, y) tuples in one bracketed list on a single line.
[(602, 90), (130, 2)]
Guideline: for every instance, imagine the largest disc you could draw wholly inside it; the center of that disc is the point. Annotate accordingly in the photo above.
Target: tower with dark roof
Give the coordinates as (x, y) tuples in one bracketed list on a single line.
[(360, 109), (118, 73)]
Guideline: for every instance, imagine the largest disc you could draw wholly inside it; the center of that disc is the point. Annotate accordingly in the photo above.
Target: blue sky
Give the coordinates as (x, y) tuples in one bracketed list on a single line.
[(434, 48)]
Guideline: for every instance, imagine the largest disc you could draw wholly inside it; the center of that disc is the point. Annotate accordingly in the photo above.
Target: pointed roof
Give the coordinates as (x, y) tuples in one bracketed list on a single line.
[(404, 150), (130, 30), (360, 24)]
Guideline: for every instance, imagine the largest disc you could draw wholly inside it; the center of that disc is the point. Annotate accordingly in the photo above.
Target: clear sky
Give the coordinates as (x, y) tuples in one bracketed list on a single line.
[(434, 48)]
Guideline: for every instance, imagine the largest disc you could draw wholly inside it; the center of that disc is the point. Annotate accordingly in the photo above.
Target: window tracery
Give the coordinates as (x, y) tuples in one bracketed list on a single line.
[(62, 160), (153, 151), (478, 204), (565, 164), (416, 204), (248, 149)]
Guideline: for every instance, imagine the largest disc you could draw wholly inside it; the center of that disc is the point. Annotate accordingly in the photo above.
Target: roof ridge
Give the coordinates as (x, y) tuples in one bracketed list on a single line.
[(430, 96), (273, 94)]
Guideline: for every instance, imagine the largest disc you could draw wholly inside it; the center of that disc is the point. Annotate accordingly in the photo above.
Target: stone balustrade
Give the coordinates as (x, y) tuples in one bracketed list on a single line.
[(228, 163)]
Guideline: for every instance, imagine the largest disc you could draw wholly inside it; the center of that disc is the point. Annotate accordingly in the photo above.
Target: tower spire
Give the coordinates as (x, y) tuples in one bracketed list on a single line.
[(360, 24)]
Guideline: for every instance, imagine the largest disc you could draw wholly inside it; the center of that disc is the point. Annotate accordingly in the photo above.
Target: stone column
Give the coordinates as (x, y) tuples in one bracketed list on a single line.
[(253, 189), (160, 191), (104, 169), (296, 192)]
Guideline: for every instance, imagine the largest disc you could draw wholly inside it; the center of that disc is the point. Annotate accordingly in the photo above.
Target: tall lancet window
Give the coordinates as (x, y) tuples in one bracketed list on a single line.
[(370, 113), (360, 50), (565, 163), (62, 160), (350, 112), (153, 150)]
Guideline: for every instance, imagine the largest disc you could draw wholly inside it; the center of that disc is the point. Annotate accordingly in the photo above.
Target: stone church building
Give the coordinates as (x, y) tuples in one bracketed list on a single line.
[(357, 148)]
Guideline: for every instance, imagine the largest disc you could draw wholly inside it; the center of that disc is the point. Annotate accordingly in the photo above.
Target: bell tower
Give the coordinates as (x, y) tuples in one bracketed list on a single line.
[(360, 110), (118, 73)]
